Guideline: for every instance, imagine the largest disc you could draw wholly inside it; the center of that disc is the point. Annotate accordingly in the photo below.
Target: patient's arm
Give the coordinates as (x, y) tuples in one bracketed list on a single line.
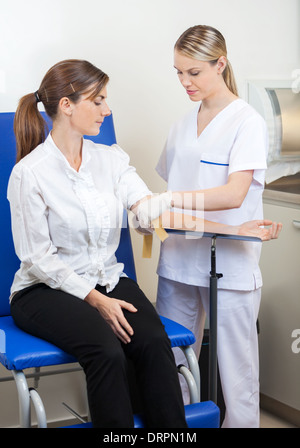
[(255, 228)]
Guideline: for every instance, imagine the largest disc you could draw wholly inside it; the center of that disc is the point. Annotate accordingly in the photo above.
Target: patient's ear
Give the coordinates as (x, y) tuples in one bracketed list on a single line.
[(66, 106)]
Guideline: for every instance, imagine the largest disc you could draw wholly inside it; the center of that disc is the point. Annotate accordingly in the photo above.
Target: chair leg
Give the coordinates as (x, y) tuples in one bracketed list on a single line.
[(24, 398), (193, 389), (39, 408), (36, 377), (194, 368), (27, 395)]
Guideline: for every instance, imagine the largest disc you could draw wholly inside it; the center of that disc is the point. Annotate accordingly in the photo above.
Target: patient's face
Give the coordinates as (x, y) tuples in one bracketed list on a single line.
[(88, 114)]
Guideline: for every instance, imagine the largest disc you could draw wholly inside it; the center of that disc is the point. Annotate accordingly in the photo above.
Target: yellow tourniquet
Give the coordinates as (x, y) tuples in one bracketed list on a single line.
[(148, 239)]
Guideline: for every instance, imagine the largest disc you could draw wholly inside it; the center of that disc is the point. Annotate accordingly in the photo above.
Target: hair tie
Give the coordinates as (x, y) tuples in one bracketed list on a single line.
[(38, 100)]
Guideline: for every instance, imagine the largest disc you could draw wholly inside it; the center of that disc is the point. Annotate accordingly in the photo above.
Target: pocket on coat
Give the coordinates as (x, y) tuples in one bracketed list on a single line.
[(213, 170)]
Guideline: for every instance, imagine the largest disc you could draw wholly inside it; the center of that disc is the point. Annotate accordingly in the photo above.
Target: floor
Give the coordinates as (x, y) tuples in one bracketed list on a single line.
[(268, 420)]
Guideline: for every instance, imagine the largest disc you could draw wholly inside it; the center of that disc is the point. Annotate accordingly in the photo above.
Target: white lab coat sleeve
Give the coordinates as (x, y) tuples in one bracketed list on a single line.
[(31, 236), (250, 148), (130, 188)]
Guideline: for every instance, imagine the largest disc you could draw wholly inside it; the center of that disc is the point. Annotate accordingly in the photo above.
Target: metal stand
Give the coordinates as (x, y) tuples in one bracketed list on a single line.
[(213, 314), (213, 322)]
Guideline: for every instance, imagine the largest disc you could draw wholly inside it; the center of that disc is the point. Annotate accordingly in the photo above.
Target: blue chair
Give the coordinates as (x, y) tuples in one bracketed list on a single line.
[(20, 351), (198, 415)]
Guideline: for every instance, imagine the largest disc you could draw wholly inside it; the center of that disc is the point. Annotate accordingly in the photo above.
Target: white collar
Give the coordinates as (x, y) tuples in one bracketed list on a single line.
[(52, 148)]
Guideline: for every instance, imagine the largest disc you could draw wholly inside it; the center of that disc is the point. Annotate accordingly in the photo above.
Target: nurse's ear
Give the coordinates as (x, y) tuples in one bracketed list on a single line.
[(221, 64), (66, 106)]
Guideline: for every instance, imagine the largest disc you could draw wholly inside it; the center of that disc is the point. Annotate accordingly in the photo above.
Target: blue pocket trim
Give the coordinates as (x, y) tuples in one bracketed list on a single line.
[(213, 163)]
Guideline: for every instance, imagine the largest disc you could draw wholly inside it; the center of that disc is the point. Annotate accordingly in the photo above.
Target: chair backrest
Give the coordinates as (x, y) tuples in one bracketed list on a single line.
[(9, 263)]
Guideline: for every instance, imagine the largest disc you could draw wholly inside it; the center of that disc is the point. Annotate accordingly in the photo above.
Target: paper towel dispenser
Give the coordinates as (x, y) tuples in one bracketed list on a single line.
[(279, 104)]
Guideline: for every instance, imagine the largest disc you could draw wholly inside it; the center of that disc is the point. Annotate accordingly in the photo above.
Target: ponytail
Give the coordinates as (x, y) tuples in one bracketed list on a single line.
[(230, 79), (29, 126)]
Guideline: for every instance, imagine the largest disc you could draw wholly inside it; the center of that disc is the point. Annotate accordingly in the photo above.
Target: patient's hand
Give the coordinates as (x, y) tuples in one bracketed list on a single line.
[(263, 229), (111, 310)]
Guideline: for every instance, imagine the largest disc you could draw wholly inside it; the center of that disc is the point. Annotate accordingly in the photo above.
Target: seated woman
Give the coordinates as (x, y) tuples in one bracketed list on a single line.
[(67, 195)]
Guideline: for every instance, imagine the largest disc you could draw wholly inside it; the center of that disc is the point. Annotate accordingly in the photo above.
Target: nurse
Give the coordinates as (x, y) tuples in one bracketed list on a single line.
[(218, 151)]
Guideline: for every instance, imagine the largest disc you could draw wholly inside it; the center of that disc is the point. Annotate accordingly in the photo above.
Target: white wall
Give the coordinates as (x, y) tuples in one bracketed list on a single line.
[(132, 40)]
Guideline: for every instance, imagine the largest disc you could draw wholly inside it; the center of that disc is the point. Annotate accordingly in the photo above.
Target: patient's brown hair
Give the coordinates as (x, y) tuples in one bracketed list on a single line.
[(70, 78)]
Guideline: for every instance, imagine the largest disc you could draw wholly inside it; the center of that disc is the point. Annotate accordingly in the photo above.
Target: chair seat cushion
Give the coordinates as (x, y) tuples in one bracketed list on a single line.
[(202, 415), (178, 334), (205, 414), (22, 350)]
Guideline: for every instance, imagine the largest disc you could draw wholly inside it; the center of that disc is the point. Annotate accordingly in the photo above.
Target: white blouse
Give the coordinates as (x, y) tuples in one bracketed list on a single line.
[(66, 224)]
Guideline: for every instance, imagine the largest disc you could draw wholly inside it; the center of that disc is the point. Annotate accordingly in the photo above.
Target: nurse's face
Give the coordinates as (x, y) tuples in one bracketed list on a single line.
[(200, 79), (88, 114)]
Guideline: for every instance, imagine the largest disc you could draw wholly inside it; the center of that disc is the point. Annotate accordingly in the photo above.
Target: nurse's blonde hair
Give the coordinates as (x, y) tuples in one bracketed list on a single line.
[(207, 44)]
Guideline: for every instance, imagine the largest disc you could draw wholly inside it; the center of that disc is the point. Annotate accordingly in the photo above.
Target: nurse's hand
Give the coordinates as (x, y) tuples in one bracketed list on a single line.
[(263, 229), (111, 311), (150, 209)]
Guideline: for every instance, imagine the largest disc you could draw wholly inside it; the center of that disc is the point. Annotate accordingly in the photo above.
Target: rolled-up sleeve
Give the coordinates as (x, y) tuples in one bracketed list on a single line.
[(31, 236)]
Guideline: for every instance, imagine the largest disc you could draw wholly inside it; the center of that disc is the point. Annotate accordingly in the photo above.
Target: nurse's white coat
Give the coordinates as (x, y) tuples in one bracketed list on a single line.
[(235, 140)]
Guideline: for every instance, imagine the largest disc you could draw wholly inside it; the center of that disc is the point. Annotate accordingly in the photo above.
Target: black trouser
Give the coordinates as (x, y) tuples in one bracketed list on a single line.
[(76, 327)]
